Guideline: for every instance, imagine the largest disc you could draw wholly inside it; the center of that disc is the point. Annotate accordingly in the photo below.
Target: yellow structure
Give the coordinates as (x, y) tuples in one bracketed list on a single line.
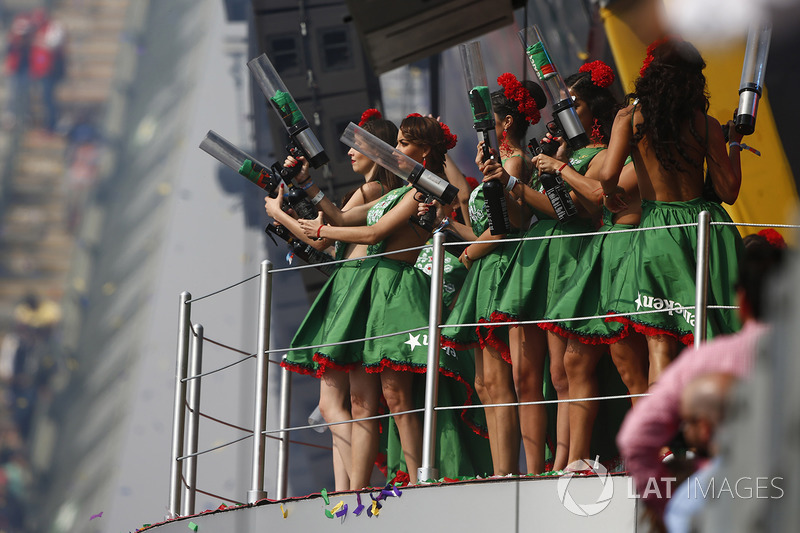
[(768, 194)]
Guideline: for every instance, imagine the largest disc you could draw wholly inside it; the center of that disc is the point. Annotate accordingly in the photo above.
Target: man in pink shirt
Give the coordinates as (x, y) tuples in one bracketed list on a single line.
[(655, 420)]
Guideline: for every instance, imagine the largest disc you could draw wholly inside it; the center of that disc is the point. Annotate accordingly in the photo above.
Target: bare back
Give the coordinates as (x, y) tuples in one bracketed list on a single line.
[(657, 183)]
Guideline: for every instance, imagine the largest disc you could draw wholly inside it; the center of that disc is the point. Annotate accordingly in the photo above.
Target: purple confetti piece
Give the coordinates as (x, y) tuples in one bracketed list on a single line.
[(358, 510), (369, 512), (396, 491), (342, 511)]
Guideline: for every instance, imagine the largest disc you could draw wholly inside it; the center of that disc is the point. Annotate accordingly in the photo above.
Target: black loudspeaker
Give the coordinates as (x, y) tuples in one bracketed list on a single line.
[(394, 34)]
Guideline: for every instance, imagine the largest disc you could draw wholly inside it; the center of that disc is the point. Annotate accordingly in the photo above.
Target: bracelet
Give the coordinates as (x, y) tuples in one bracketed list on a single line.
[(318, 230), (467, 255), (306, 187), (742, 146), (318, 198), (512, 182), (561, 168)]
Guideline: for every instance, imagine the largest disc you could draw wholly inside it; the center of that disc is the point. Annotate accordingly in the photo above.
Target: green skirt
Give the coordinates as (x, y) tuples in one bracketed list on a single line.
[(366, 298), (344, 294), (540, 270), (590, 282), (658, 273), (476, 302)]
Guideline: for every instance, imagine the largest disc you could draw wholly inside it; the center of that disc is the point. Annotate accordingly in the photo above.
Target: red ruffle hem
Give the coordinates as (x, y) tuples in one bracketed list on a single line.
[(586, 339), (686, 339)]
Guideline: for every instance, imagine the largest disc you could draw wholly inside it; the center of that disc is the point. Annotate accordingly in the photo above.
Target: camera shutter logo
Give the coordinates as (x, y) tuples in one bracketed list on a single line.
[(585, 509)]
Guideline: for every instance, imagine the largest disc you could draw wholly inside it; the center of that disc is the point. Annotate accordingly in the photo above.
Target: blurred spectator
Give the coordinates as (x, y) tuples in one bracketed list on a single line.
[(703, 405), (17, 67), (35, 53), (48, 62)]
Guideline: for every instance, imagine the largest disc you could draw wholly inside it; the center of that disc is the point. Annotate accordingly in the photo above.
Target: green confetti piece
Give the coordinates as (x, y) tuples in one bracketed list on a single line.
[(328, 513), (192, 526), (324, 493)]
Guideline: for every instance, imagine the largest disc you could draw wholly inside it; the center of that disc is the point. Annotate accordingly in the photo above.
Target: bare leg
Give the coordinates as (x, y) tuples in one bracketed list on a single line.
[(334, 392), (483, 395), (397, 390), (499, 384), (580, 363), (663, 349), (365, 392), (528, 348), (557, 345), (630, 358)]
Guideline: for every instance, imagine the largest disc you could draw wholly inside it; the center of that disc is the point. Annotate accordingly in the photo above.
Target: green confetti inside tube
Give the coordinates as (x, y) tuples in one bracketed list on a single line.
[(541, 61), (480, 101), (284, 102)]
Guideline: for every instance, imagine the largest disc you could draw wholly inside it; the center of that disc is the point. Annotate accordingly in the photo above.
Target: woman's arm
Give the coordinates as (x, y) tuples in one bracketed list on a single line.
[(725, 168), (515, 166), (354, 216), (587, 189), (457, 179), (274, 209), (619, 146), (390, 222), (492, 170)]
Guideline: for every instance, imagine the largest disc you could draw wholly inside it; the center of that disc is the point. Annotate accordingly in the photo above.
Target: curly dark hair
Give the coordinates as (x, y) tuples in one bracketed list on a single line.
[(503, 106), (426, 131), (600, 100), (670, 92)]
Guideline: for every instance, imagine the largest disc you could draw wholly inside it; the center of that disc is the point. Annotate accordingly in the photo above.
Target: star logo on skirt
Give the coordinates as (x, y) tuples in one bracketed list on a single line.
[(413, 341)]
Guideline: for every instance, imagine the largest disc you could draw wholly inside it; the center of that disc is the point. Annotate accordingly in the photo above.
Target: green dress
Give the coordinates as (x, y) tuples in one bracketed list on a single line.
[(541, 269), (475, 302), (658, 273), (589, 285)]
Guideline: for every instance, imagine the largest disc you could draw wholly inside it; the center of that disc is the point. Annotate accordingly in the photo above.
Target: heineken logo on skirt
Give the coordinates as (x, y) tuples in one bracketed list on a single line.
[(414, 342), (671, 307)]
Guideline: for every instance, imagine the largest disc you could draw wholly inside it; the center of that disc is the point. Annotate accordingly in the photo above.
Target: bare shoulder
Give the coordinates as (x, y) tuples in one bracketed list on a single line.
[(372, 191)]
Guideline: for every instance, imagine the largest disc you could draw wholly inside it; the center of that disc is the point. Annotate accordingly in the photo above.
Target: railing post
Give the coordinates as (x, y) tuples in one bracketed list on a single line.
[(192, 433), (701, 277), (427, 470), (257, 491), (179, 411), (283, 446)]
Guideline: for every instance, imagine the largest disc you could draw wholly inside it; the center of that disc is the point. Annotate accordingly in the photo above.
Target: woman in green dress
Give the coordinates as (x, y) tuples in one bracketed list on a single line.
[(541, 269), (334, 394), (388, 295), (516, 106), (671, 138)]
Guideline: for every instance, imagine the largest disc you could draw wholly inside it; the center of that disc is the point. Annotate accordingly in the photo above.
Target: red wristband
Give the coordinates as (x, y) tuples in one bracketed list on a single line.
[(318, 230), (562, 167)]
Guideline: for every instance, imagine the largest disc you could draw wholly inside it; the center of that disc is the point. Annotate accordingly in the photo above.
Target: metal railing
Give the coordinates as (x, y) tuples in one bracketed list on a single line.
[(183, 470)]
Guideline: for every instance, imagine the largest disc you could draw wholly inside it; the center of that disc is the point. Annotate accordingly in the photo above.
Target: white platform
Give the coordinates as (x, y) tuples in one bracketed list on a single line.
[(525, 504)]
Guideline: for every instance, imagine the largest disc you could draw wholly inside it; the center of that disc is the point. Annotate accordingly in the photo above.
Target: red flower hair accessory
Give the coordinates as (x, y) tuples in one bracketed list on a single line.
[(774, 238), (514, 91), (650, 51), (369, 114), (450, 139), (602, 75)]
